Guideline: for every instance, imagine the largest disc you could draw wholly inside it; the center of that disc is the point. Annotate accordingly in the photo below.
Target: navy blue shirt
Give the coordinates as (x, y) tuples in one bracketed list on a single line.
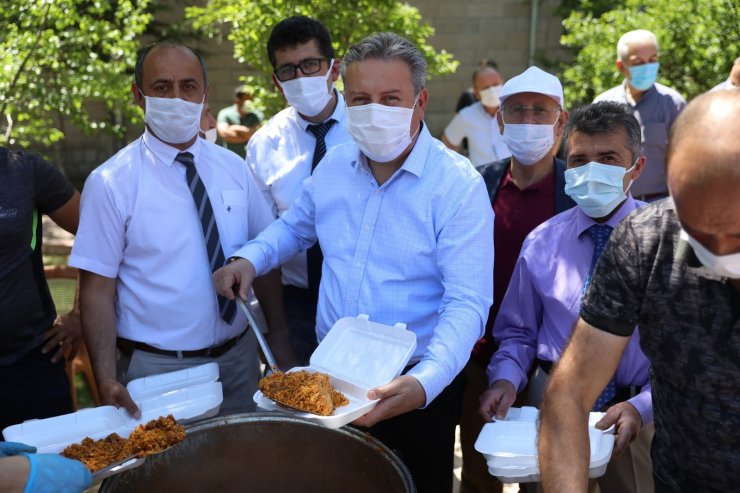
[(29, 187)]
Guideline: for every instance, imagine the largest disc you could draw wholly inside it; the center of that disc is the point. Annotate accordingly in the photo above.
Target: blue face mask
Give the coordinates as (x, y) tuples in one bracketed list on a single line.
[(642, 77), (597, 188)]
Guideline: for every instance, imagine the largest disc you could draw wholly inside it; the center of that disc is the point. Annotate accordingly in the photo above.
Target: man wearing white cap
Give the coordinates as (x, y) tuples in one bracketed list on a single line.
[(525, 190), (477, 122)]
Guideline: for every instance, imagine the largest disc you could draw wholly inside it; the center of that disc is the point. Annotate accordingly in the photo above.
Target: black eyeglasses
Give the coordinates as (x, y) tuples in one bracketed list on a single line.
[(308, 66)]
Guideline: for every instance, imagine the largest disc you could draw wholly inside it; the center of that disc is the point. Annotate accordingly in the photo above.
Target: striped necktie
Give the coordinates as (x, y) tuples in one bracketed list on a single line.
[(314, 256), (319, 131), (227, 309), (599, 234)]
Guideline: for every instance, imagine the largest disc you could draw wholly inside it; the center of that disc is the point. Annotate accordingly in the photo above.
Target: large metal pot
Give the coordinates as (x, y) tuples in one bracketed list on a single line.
[(268, 452)]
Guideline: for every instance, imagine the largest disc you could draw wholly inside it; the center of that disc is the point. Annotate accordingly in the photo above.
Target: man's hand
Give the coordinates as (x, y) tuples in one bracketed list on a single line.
[(496, 401), (64, 336), (401, 395), (113, 393), (239, 273), (627, 423)]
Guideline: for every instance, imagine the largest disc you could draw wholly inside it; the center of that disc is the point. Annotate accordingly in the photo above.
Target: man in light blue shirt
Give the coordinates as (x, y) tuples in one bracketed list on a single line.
[(405, 227)]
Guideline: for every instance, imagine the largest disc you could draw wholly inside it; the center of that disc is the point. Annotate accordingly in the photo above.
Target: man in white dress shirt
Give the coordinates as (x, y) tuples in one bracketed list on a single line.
[(477, 122), (285, 150), (154, 216)]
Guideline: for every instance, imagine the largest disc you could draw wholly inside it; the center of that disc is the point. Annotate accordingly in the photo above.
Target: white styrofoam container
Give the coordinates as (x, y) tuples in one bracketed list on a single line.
[(187, 395), (358, 355), (510, 446)]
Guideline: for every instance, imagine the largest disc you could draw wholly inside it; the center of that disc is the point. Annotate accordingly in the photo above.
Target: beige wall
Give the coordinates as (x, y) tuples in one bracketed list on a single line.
[(469, 29)]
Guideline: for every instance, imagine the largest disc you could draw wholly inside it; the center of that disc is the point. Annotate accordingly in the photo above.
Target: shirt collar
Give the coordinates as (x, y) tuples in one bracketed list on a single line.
[(337, 114), (583, 222), (165, 153)]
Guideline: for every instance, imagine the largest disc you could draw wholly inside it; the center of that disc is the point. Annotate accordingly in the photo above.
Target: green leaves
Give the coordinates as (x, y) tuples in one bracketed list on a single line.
[(698, 41), (348, 21), (62, 57)]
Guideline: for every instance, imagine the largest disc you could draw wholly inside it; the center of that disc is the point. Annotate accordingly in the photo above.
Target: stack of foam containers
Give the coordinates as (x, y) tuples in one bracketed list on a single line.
[(510, 446)]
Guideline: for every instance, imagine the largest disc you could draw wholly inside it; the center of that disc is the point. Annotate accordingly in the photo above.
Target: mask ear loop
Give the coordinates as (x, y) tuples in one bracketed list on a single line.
[(420, 123), (632, 168)]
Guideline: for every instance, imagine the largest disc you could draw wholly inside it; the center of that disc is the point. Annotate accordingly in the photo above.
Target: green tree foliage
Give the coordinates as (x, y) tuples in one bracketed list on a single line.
[(348, 21), (698, 41), (59, 58)]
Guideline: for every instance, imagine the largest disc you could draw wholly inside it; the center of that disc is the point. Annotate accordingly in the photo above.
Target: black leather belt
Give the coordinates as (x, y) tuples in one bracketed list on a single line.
[(127, 347)]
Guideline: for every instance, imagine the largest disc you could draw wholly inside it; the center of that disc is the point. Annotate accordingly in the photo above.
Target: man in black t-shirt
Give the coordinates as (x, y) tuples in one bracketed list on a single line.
[(33, 382), (673, 268)]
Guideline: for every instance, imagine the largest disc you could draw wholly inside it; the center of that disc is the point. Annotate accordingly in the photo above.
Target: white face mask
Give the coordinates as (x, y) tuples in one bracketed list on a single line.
[(210, 135), (308, 95), (529, 142), (723, 265), (381, 132), (173, 120), (489, 96), (597, 188)]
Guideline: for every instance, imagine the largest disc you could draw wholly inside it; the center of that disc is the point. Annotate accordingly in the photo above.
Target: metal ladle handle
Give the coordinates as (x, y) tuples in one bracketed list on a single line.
[(260, 337)]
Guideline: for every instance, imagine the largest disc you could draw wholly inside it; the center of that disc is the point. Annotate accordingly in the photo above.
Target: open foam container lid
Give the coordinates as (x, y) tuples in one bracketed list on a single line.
[(365, 353), (358, 355), (510, 446), (189, 394)]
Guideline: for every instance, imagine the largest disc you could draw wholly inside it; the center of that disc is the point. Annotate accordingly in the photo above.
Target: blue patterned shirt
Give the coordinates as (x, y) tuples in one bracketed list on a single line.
[(416, 250)]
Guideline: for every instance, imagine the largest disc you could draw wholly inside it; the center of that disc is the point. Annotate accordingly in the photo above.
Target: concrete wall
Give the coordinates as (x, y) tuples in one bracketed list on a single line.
[(469, 29)]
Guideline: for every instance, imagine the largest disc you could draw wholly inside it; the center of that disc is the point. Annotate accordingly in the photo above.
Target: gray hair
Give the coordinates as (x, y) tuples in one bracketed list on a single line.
[(605, 117), (639, 36), (389, 46)]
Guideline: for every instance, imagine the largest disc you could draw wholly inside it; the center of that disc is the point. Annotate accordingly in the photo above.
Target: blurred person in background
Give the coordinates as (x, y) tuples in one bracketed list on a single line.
[(656, 107), (477, 123), (238, 122)]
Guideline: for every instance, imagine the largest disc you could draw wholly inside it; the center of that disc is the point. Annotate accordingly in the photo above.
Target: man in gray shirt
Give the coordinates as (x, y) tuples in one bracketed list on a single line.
[(656, 107)]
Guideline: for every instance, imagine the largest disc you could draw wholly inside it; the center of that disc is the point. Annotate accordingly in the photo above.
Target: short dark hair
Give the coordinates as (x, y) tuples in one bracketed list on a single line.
[(605, 117), (298, 30), (141, 56)]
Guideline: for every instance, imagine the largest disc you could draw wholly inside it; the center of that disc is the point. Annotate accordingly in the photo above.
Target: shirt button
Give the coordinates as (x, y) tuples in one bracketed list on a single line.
[(350, 301)]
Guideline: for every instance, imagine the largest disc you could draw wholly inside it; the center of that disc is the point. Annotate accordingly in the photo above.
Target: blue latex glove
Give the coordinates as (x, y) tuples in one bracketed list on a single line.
[(52, 473), (8, 449)]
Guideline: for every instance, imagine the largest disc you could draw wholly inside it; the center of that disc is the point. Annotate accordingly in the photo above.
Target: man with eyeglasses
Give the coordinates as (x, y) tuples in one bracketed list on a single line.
[(287, 149), (656, 106), (524, 191)]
